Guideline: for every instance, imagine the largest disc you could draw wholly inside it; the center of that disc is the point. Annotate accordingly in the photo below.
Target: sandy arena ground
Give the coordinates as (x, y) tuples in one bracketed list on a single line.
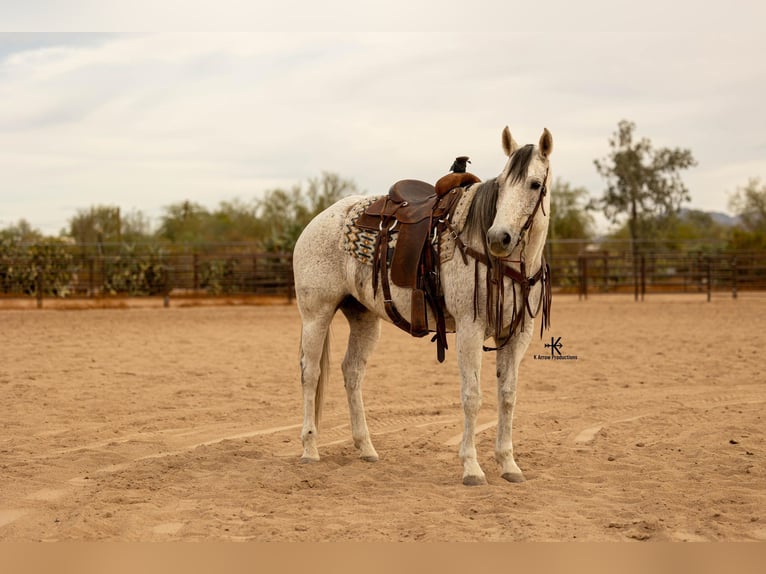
[(157, 424)]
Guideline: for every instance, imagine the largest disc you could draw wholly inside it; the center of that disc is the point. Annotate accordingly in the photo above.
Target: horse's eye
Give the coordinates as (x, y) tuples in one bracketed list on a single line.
[(535, 185)]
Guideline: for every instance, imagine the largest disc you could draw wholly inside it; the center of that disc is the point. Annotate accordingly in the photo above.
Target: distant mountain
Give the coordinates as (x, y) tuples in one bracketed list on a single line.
[(724, 219), (719, 217)]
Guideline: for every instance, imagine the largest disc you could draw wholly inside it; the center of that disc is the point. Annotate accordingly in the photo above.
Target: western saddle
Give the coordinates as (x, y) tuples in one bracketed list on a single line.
[(415, 213)]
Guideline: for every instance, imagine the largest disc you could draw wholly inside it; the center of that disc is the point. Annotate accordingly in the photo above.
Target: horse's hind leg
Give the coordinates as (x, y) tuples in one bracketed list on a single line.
[(365, 330), (314, 366)]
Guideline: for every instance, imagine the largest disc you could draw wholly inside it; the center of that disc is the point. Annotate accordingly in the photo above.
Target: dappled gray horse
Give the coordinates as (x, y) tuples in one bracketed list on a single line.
[(493, 286)]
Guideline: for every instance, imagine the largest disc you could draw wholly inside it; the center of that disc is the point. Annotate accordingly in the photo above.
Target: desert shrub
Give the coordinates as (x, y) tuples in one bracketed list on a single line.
[(134, 273), (25, 267)]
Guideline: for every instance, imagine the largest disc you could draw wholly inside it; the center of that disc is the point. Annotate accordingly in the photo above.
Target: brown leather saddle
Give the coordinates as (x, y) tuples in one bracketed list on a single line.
[(416, 213)]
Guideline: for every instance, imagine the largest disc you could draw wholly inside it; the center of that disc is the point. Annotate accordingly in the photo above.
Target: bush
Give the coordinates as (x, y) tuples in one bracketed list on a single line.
[(136, 274), (23, 268), (221, 276)]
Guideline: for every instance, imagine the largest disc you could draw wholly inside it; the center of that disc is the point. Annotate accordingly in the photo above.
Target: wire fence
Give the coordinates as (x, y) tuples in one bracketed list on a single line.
[(63, 270), (113, 271), (661, 272)]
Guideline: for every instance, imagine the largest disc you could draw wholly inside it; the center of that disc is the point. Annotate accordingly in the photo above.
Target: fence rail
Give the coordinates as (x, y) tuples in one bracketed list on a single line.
[(72, 271), (207, 272), (660, 272)]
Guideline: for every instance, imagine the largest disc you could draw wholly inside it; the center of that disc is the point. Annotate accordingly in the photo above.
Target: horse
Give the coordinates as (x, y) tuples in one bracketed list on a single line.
[(503, 238)]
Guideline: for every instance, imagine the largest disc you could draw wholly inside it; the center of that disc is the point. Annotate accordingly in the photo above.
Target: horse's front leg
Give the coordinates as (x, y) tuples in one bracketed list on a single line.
[(508, 359), (469, 342)]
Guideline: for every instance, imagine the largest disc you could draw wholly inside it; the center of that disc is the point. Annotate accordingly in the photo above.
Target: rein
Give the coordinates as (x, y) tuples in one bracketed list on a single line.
[(498, 270)]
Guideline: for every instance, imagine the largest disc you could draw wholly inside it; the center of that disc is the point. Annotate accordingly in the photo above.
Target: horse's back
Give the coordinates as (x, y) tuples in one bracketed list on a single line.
[(319, 263)]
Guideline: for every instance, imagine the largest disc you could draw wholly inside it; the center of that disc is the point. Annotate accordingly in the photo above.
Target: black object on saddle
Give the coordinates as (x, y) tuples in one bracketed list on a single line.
[(417, 213), (458, 178), (460, 164)]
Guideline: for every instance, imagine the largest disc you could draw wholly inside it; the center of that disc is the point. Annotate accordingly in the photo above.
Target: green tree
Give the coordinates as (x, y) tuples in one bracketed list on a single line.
[(675, 230), (237, 221), (749, 203), (642, 184), (570, 218), (136, 227), (325, 190), (184, 222), (21, 232), (286, 213), (274, 221), (107, 224), (97, 225)]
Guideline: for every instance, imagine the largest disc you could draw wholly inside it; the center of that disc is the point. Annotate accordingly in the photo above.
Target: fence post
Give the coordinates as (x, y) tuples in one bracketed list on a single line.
[(579, 277), (39, 284), (734, 277), (643, 276), (92, 276), (195, 276), (255, 284), (709, 278), (583, 268)]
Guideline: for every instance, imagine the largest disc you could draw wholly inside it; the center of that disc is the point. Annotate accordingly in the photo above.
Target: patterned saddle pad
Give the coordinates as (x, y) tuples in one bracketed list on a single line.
[(360, 243)]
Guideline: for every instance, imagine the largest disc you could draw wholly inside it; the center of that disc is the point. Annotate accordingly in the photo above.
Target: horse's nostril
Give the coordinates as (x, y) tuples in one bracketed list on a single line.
[(506, 239)]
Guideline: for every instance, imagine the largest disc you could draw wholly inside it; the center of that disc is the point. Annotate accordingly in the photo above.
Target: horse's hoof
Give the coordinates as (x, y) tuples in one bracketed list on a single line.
[(308, 460), (514, 477), (370, 458), (474, 480)]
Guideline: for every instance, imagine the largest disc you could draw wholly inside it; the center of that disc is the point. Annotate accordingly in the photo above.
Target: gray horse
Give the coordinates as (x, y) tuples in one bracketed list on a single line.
[(497, 294)]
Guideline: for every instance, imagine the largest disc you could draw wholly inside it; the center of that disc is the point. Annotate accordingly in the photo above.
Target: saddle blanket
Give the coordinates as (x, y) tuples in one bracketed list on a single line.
[(360, 243)]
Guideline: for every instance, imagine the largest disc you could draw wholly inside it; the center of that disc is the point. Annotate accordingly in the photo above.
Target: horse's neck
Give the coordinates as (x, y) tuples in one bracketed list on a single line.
[(470, 238), (533, 260)]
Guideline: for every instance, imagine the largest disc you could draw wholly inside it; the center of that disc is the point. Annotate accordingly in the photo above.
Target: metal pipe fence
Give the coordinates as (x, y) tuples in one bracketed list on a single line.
[(99, 271), (660, 272), (77, 272)]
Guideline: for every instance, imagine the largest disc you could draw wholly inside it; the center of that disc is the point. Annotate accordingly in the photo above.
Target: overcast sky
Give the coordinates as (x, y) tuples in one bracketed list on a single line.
[(144, 120)]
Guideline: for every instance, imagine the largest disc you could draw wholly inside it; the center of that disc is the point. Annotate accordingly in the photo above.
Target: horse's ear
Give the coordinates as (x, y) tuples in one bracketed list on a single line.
[(509, 145), (546, 143)]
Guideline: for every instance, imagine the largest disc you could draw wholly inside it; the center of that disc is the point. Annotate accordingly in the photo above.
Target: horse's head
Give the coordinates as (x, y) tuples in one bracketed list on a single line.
[(520, 225)]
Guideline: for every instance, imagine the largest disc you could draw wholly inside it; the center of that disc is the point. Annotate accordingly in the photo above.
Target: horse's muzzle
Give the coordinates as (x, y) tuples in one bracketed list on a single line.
[(500, 242)]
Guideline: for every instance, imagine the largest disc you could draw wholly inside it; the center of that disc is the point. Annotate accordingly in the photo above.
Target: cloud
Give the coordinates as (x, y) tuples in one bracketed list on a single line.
[(145, 120)]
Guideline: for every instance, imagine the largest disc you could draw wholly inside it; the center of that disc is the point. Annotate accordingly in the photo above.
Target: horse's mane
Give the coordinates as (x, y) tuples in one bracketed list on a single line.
[(483, 208)]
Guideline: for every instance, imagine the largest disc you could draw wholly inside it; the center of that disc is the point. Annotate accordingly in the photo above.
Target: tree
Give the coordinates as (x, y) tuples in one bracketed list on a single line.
[(674, 231), (569, 216), (237, 221), (749, 204), (571, 223), (323, 191), (274, 221), (102, 225), (136, 227), (642, 184), (22, 232), (287, 212), (184, 222), (96, 226)]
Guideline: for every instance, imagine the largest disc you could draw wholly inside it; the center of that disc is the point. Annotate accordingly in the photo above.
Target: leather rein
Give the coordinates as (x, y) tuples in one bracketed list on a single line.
[(498, 270)]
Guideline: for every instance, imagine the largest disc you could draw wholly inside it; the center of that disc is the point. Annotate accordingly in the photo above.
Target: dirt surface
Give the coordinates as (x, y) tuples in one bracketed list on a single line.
[(183, 424)]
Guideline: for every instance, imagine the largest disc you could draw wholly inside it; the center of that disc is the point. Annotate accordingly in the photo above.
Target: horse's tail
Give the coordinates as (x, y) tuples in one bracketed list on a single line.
[(324, 375)]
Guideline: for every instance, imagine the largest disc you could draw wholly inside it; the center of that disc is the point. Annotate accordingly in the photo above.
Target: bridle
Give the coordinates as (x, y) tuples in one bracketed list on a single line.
[(538, 205), (498, 269)]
